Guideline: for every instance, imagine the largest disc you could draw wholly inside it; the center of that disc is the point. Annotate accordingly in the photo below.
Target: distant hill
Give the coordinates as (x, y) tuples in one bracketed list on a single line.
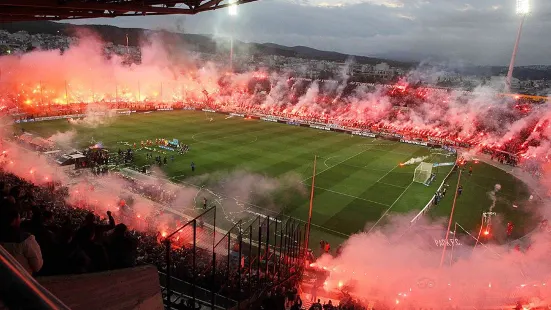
[(521, 73), (206, 44), (312, 53), (201, 43)]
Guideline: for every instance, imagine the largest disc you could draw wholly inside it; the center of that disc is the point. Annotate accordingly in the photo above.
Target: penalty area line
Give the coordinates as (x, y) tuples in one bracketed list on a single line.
[(379, 180), (392, 205), (329, 167), (324, 228), (348, 195), (328, 158), (394, 185)]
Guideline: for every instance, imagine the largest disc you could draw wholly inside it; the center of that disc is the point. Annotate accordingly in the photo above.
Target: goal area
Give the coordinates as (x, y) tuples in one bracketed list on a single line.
[(422, 173)]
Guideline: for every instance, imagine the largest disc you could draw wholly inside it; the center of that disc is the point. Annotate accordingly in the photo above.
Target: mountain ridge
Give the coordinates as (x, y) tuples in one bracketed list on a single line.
[(205, 43), (209, 44)]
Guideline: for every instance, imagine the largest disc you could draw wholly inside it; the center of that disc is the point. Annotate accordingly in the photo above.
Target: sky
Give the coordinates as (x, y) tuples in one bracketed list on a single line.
[(480, 32)]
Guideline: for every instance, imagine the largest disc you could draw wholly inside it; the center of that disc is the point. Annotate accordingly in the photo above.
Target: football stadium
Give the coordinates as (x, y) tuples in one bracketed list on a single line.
[(358, 179), (176, 182)]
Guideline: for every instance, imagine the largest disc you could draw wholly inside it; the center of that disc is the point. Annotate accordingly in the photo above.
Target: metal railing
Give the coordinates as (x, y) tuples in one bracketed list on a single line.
[(224, 266)]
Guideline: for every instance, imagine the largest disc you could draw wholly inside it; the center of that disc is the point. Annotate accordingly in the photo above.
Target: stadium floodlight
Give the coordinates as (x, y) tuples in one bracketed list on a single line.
[(523, 9), (232, 8), (232, 11)]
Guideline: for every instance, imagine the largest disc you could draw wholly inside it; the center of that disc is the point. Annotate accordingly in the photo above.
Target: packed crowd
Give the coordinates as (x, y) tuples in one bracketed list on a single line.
[(503, 158), (48, 236), (288, 297), (347, 303), (393, 122)]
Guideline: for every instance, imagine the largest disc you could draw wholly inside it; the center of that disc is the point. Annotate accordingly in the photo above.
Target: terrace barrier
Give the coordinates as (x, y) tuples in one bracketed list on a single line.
[(221, 268)]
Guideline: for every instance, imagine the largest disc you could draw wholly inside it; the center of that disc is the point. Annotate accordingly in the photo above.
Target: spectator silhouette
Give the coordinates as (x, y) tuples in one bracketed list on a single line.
[(190, 305), (121, 248), (48, 222), (85, 239), (328, 306), (21, 245), (4, 190), (15, 196), (298, 304), (291, 295), (71, 258), (99, 230), (279, 300), (267, 303), (44, 237), (316, 306)]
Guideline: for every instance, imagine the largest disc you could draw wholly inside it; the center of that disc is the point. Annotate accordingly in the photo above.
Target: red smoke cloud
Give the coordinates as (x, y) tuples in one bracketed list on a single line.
[(384, 264)]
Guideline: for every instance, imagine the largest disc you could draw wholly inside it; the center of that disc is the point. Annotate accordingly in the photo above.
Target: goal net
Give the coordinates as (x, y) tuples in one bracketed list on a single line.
[(422, 173)]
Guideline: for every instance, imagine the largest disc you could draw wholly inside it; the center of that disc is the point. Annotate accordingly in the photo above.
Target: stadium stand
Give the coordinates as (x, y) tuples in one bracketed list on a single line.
[(239, 267)]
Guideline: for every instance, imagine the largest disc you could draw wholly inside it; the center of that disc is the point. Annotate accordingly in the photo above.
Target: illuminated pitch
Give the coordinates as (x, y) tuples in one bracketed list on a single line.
[(358, 178)]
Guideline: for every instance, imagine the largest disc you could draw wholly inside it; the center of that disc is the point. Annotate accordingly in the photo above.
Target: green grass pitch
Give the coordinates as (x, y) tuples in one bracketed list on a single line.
[(358, 180)]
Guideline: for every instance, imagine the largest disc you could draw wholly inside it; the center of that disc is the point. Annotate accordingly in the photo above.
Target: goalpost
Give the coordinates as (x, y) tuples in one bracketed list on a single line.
[(422, 173)]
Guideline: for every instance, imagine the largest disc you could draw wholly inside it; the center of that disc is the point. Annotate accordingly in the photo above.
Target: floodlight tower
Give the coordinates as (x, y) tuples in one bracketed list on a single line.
[(523, 9), (232, 11)]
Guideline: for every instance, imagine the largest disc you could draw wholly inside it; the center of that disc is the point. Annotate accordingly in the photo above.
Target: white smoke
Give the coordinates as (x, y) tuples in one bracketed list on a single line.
[(415, 160), (96, 115), (387, 264), (64, 139), (400, 264), (240, 191), (493, 196)]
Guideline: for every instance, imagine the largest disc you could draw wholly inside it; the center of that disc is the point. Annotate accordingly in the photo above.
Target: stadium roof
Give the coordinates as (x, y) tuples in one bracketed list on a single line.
[(26, 10)]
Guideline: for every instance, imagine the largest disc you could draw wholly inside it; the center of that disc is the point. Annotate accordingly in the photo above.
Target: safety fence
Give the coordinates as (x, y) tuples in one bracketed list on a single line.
[(221, 268)]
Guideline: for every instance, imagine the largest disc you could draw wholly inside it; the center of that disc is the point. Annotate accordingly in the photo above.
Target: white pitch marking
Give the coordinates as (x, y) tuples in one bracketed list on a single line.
[(328, 158), (329, 167), (379, 180), (221, 138), (395, 201), (394, 185), (352, 196)]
